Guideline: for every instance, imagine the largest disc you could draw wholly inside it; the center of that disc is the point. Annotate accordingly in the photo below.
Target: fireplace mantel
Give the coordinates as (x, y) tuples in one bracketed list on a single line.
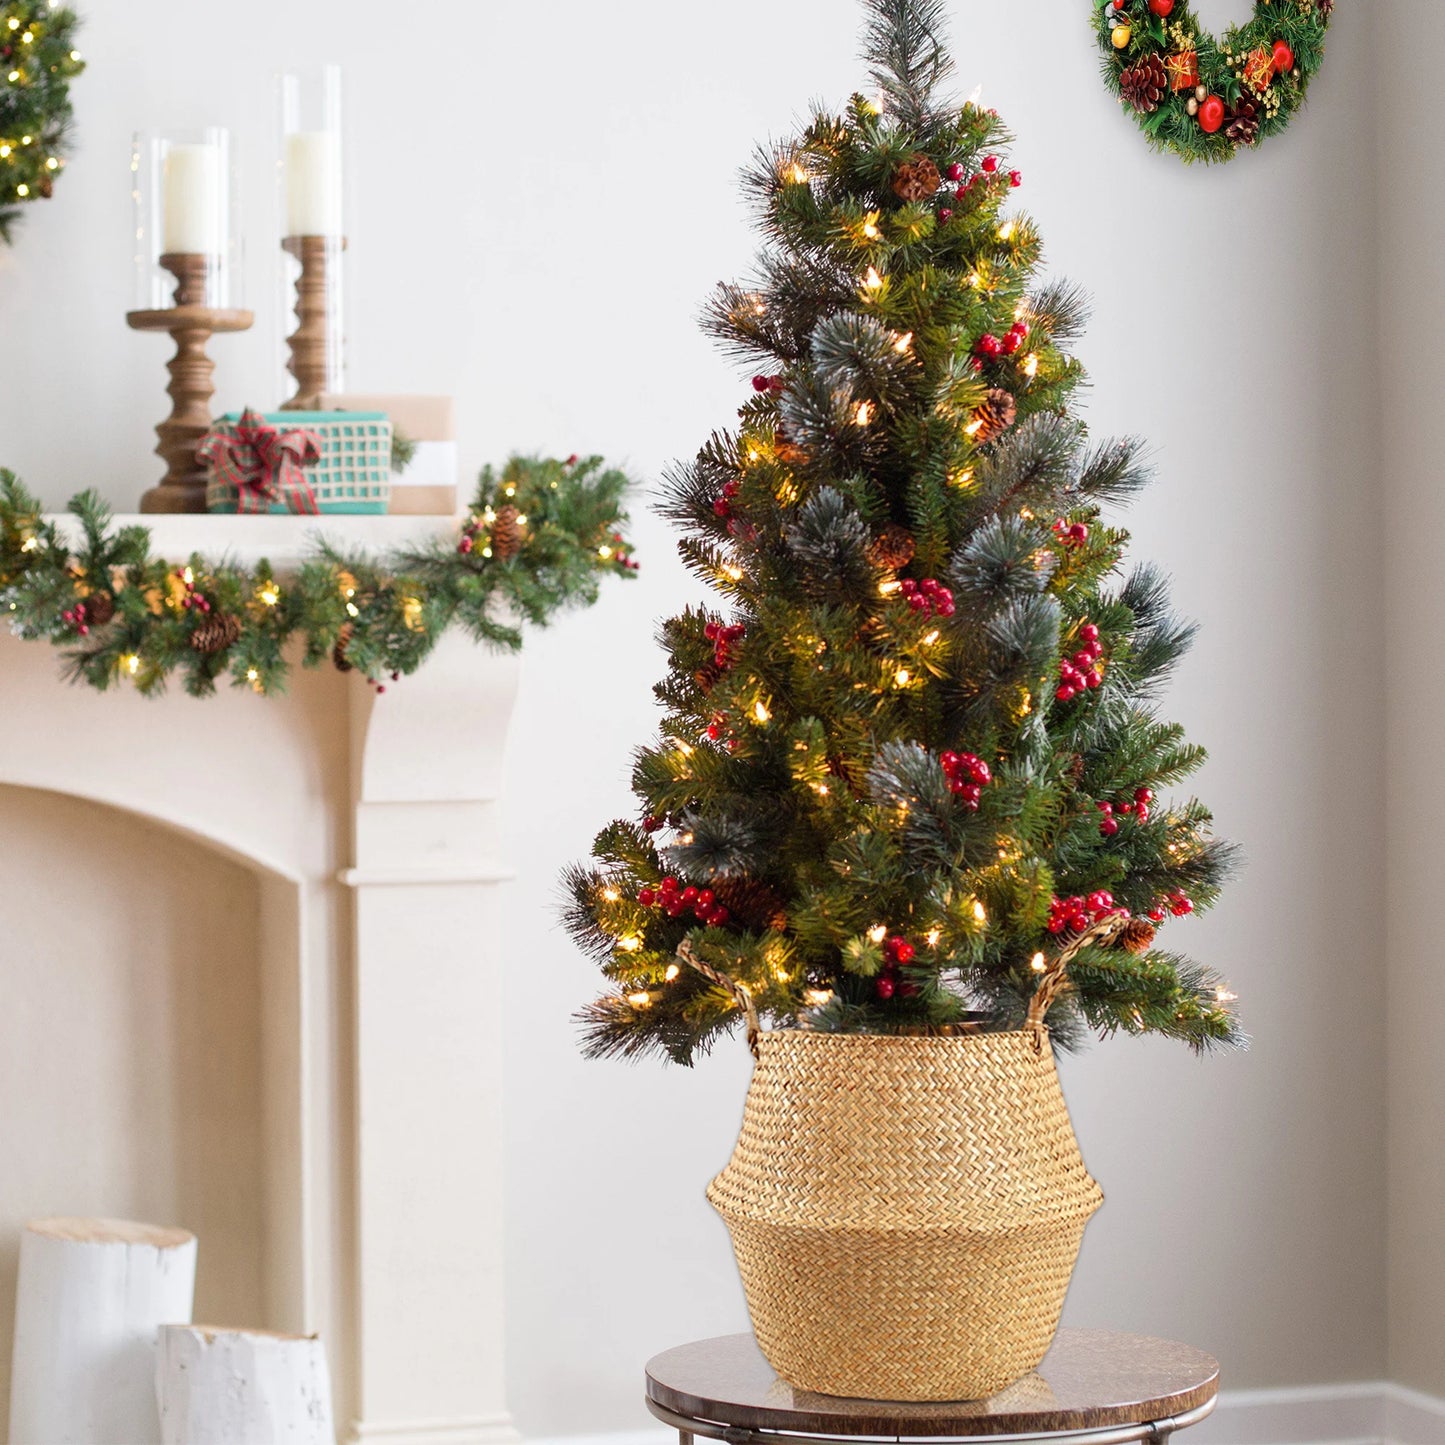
[(371, 823)]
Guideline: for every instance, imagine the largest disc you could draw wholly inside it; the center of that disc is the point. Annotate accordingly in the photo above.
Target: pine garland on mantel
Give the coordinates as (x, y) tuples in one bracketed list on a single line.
[(540, 536)]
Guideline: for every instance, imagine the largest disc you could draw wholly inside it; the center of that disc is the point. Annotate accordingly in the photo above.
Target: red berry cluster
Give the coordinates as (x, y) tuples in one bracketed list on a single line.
[(719, 731), (897, 952), (722, 639), (1071, 536), (1138, 809), (990, 346), (967, 775), (192, 598), (929, 597), (1079, 913), (78, 617), (768, 383), (621, 556), (1083, 670), (675, 900), (988, 170), (1179, 903), (723, 506)]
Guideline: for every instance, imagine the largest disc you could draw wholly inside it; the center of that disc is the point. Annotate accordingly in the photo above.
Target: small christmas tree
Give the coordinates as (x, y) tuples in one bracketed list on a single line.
[(911, 765)]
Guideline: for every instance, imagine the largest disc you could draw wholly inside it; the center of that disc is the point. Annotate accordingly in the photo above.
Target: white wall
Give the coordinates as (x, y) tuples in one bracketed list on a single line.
[(549, 196)]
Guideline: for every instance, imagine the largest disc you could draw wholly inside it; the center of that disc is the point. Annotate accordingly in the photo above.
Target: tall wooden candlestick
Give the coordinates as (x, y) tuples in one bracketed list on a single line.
[(192, 323), (315, 343)]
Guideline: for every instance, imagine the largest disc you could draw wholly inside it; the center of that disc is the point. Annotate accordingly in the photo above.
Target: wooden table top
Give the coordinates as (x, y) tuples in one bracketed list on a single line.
[(1089, 1379)]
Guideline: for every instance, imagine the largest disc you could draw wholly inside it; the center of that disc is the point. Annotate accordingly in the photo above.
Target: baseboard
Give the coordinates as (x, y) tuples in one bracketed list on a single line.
[(1368, 1413), (475, 1430)]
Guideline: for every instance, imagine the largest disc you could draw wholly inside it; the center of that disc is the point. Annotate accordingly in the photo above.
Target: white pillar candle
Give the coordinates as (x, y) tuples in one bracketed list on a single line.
[(193, 200), (313, 183)]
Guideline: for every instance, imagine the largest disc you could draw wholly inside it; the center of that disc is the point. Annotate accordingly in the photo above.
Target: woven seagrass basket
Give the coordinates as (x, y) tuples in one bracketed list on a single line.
[(906, 1212)]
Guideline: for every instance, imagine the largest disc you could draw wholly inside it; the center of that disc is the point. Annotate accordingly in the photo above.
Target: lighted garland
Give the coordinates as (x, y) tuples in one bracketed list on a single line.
[(1204, 98), (38, 60), (540, 536)]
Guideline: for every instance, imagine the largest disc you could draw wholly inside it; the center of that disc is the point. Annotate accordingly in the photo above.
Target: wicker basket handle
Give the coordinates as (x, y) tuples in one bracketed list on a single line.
[(740, 995), (1056, 974)]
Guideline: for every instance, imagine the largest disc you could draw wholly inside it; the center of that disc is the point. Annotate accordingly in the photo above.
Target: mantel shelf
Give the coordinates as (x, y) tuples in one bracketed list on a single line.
[(284, 541)]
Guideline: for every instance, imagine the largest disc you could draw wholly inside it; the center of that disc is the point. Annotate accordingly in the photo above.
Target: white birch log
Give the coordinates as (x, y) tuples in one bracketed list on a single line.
[(242, 1387), (91, 1296)]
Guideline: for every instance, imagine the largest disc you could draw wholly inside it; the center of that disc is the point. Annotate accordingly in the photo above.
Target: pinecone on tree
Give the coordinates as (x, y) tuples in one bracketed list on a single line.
[(753, 903), (343, 642), (1325, 7), (707, 676), (893, 547), (994, 414), (99, 608), (1136, 936), (1145, 85), (787, 450), (916, 179), (216, 632), (1241, 124), (508, 534)]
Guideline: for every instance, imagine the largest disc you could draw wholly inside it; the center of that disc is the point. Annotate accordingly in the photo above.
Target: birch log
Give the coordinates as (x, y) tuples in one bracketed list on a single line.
[(241, 1387), (92, 1294)]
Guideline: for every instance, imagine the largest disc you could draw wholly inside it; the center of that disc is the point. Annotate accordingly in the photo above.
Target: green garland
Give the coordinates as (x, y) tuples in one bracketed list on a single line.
[(540, 536), (38, 60), (1207, 99)]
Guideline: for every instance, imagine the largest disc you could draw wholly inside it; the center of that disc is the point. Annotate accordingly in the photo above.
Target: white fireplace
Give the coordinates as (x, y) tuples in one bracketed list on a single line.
[(369, 824)]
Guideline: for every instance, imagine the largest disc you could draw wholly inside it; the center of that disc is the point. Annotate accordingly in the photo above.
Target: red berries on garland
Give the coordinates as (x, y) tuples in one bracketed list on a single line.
[(1017, 334), (78, 617), (1080, 913), (1138, 810), (929, 597), (1179, 903), (1070, 534), (955, 172), (768, 383), (990, 164), (1084, 670), (898, 952), (722, 639), (676, 900), (988, 345), (723, 505), (968, 775)]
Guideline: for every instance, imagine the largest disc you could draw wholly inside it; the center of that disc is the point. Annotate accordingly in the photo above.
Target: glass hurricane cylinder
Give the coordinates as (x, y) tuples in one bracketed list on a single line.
[(187, 243), (312, 196)]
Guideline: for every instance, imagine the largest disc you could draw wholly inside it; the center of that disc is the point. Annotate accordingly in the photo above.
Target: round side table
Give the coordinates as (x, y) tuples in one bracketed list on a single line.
[(1094, 1387)]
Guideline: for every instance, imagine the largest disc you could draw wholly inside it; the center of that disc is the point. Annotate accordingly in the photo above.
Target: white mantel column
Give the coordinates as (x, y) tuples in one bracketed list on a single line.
[(428, 1052)]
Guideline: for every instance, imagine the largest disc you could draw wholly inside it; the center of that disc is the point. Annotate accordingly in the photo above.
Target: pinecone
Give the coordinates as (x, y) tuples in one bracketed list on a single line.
[(1075, 769), (1241, 124), (994, 414), (893, 547), (916, 179), (99, 608), (752, 903), (217, 632), (1136, 936), (707, 676), (786, 450), (338, 653), (1144, 85), (507, 533), (1324, 7)]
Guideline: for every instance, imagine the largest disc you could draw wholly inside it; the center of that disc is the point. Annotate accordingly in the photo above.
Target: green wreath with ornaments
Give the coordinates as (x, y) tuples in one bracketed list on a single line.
[(1203, 98), (38, 60), (539, 536)]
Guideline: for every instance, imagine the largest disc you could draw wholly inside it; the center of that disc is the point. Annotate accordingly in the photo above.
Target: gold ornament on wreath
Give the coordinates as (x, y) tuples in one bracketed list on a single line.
[(1203, 98)]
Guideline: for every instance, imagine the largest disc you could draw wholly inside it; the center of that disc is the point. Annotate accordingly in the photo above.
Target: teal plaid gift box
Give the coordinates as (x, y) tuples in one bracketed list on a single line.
[(351, 475)]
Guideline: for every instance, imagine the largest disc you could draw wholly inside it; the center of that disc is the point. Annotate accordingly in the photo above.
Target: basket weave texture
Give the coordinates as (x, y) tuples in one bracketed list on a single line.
[(906, 1212)]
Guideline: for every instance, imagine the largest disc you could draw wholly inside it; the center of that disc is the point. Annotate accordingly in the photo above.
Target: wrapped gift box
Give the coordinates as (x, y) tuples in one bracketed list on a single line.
[(428, 485), (353, 474)]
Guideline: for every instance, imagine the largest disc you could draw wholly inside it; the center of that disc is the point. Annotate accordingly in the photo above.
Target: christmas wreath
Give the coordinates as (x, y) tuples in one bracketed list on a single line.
[(38, 60), (538, 538), (1204, 98)]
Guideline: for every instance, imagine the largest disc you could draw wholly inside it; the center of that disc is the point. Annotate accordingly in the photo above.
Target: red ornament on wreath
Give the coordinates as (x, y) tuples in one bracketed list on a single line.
[(1182, 70), (1282, 57), (1211, 114), (1161, 8)]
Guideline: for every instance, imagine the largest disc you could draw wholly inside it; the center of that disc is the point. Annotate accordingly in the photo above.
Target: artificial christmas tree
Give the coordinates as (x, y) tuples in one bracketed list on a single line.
[(919, 736)]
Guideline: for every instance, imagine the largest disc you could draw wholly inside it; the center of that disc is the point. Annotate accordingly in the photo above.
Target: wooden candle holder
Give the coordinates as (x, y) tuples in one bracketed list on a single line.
[(192, 323), (311, 342)]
